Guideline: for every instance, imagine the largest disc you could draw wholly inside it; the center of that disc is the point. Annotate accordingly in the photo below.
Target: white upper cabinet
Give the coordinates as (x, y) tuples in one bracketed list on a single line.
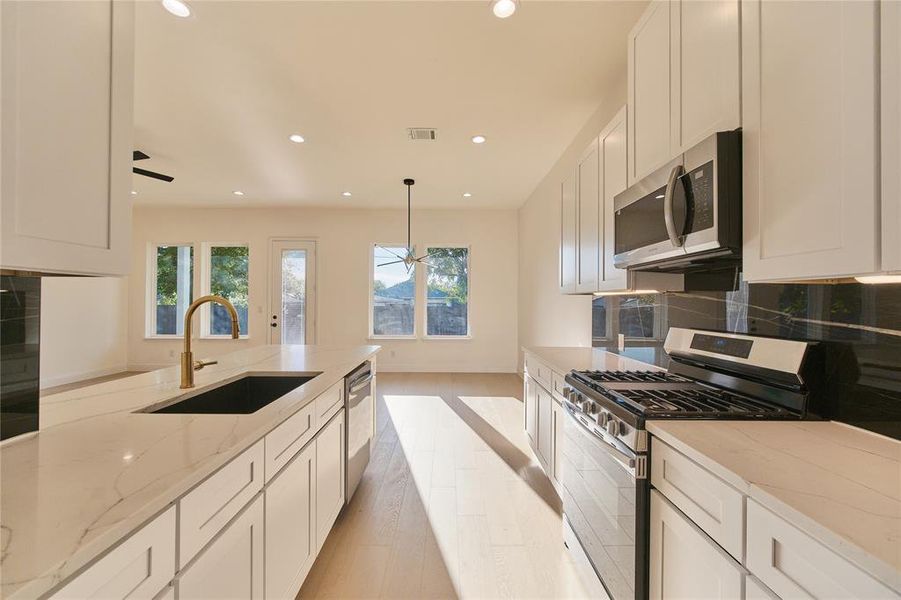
[(568, 235), (683, 78), (706, 83), (891, 134), (810, 139), (613, 154), (66, 125), (649, 78), (589, 212)]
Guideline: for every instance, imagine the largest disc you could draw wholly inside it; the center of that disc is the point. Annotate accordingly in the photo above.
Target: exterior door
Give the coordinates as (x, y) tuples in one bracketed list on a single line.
[(292, 297)]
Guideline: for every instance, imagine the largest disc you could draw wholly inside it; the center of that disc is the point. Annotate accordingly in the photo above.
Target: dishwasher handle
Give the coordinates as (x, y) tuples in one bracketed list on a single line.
[(359, 383)]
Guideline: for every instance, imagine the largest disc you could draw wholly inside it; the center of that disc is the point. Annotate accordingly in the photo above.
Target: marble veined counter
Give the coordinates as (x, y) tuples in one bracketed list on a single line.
[(564, 359), (839, 484), (96, 470)]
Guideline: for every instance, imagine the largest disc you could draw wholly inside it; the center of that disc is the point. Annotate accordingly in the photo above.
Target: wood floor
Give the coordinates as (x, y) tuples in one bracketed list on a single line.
[(452, 505)]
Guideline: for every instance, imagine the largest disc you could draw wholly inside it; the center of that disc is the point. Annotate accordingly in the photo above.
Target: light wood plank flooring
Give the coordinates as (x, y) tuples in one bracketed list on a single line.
[(453, 503)]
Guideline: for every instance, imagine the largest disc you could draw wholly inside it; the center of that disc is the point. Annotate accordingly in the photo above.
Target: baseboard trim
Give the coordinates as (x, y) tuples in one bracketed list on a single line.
[(50, 382)]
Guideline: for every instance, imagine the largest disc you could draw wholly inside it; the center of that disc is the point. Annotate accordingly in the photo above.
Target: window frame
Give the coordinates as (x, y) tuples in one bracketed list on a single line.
[(205, 272), (423, 294), (150, 284), (417, 285)]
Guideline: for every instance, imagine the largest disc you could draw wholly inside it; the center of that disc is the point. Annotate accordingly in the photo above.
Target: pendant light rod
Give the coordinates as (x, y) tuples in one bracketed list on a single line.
[(409, 183)]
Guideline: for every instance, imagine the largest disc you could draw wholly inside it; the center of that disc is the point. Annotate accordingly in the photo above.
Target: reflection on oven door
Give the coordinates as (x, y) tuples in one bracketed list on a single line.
[(599, 501)]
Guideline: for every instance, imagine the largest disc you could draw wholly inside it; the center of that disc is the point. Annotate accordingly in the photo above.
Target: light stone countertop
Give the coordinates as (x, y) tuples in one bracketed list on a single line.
[(96, 471), (839, 484)]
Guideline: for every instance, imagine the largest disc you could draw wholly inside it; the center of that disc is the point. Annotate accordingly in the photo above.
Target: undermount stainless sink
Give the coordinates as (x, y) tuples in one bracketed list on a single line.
[(242, 396)]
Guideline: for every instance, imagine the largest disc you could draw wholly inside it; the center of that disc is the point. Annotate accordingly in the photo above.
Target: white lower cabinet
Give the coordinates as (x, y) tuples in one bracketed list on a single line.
[(685, 563), (231, 566), (794, 565), (138, 569), (330, 454), (530, 402), (545, 429), (291, 525), (559, 416)]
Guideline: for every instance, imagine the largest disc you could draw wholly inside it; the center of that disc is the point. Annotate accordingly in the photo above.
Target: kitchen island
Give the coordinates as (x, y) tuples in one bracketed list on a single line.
[(98, 471)]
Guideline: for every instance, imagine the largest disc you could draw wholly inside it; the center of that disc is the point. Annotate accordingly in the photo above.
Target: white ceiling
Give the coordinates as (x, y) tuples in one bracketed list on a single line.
[(217, 94)]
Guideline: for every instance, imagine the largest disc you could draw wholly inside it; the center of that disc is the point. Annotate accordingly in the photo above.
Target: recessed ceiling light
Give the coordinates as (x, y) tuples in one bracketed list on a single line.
[(177, 8), (296, 138), (479, 139), (467, 195), (134, 193), (346, 194), (504, 8), (238, 193)]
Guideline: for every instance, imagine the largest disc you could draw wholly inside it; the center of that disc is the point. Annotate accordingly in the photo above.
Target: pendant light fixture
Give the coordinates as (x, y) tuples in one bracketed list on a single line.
[(409, 259)]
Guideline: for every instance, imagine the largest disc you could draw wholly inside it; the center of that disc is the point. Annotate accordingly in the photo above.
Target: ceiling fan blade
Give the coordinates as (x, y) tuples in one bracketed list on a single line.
[(392, 252), (138, 155), (153, 174)]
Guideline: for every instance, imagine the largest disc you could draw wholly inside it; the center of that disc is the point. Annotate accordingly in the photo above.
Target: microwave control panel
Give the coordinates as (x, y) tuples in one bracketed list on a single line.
[(698, 185)]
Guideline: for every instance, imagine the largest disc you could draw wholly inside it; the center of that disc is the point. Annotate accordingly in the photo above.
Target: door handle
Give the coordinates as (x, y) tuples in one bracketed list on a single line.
[(674, 236)]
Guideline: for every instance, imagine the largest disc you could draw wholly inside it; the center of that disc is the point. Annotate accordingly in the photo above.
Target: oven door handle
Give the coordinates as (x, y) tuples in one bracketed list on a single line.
[(634, 465), (674, 236)]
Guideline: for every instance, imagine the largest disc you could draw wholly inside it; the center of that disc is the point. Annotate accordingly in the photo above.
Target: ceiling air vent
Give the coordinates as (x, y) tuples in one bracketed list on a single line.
[(423, 133)]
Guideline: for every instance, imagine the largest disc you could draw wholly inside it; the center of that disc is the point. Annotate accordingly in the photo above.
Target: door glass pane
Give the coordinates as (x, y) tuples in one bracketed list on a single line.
[(393, 293), (228, 278), (294, 297), (174, 288), (447, 307)]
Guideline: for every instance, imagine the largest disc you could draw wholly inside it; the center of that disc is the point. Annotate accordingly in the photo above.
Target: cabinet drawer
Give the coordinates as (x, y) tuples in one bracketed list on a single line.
[(794, 565), (286, 440), (329, 402), (715, 506), (139, 568), (205, 510), (538, 371)]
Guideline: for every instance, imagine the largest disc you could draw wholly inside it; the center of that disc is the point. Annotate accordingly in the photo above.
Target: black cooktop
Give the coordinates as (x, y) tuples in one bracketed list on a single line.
[(658, 394)]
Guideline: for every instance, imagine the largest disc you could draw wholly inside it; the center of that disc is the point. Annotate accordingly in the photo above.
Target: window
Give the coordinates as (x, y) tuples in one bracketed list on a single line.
[(171, 272), (447, 292), (226, 268), (393, 293)]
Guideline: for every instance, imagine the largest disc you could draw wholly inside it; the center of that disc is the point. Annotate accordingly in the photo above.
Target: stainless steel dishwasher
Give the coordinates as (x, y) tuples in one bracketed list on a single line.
[(359, 424)]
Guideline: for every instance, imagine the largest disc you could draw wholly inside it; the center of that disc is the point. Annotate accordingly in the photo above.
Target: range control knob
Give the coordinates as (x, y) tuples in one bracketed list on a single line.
[(602, 418), (613, 427), (586, 406)]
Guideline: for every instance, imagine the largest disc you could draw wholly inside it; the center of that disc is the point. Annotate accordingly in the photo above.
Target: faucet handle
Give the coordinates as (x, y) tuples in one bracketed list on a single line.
[(199, 364)]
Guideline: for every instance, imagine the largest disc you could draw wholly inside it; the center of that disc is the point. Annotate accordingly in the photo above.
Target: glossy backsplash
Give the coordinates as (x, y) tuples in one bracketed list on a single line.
[(20, 342), (860, 325)]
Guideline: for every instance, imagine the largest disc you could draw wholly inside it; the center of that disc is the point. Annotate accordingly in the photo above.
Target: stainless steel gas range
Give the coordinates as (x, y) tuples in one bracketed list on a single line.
[(712, 375)]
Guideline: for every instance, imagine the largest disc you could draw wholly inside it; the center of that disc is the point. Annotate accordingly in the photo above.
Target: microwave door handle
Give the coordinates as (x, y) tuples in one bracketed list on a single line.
[(674, 236)]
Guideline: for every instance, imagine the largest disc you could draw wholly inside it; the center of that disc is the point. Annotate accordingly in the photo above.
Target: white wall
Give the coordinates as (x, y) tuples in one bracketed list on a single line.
[(83, 328), (547, 317), (343, 240)]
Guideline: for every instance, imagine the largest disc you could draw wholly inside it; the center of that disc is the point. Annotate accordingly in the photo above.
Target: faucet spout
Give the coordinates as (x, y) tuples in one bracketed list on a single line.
[(187, 357)]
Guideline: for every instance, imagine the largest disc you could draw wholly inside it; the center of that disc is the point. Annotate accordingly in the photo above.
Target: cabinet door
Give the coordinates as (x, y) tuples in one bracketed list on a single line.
[(614, 152), (558, 415), (232, 565), (531, 410), (138, 568), (67, 136), (685, 563), (706, 67), (589, 224), (649, 76), (290, 525), (545, 428), (891, 134), (809, 138), (330, 457), (568, 235)]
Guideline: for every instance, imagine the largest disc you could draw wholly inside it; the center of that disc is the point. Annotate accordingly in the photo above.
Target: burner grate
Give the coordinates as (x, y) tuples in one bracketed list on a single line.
[(632, 377), (696, 401)]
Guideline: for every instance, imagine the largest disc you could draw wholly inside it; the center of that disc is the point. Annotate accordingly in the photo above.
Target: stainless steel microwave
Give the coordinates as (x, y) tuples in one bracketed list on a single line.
[(686, 216)]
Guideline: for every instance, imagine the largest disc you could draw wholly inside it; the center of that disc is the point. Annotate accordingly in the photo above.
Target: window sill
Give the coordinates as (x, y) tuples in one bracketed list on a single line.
[(164, 337), (392, 337), (222, 337), (447, 338)]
